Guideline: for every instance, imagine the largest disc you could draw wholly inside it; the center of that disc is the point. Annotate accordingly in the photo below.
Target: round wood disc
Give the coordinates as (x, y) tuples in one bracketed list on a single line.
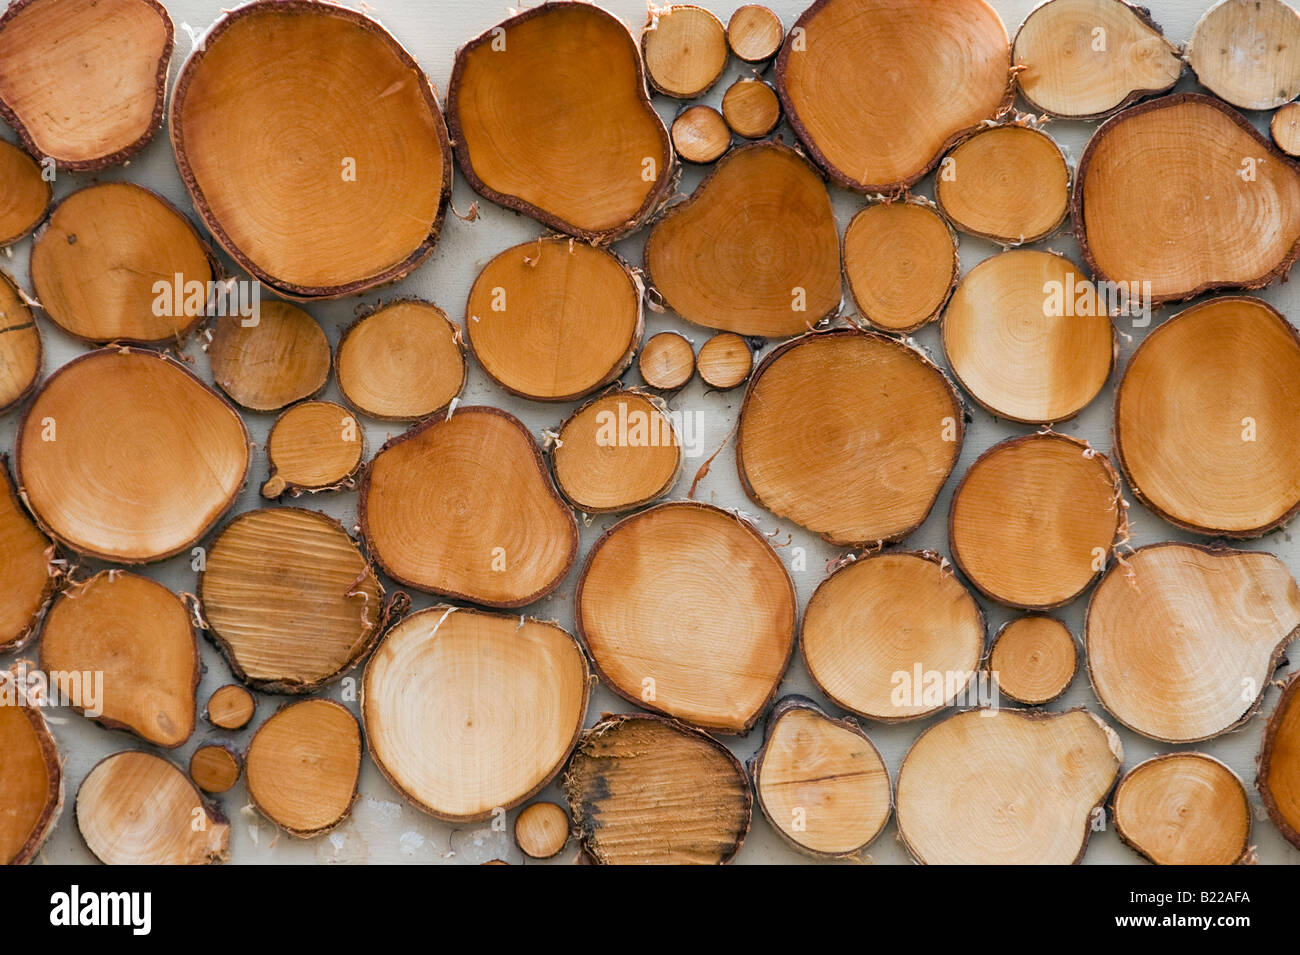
[(467, 712), (685, 50), (27, 578), (667, 361), (126, 456), (866, 466), (700, 134), (554, 319), (751, 108), (314, 446), (887, 614), (20, 346), (313, 147), (280, 358), (725, 361), (1279, 764), (900, 260), (215, 768), (1026, 337), (1285, 129), (1184, 809), (754, 33), (1034, 659), (230, 707), (24, 194), (687, 610), (1245, 53), (542, 830), (31, 782), (1207, 419)]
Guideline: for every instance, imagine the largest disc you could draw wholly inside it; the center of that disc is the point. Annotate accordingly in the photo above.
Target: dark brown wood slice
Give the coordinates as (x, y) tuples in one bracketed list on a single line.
[(268, 362), (215, 767)]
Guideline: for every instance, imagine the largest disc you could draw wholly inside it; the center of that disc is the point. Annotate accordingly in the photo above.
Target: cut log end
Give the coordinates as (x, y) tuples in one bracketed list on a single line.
[(230, 707), (725, 361), (666, 361), (1285, 129), (31, 786), (1244, 53), (685, 50), (542, 830), (314, 446), (901, 263), (21, 354), (754, 33), (1034, 659), (403, 361), (28, 579), (24, 194), (215, 768), (267, 364), (1279, 764), (700, 134), (751, 108), (1184, 809)]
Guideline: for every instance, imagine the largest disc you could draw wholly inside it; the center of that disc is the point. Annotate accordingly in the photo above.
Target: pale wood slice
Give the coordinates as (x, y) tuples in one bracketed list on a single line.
[(31, 777), (314, 446), (20, 346), (230, 707), (24, 194), (700, 134), (685, 49), (1278, 781), (28, 579), (215, 768), (280, 357), (1034, 659), (667, 361), (751, 108), (901, 263), (754, 33), (542, 830), (1247, 52), (725, 361), (1285, 129), (1184, 809)]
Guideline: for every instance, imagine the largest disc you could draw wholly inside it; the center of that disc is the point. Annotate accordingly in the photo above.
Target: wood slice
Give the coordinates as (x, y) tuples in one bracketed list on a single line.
[(230, 707), (554, 319), (949, 70), (1248, 53), (1285, 129), (314, 446), (667, 361), (20, 346), (134, 808), (754, 33), (24, 194), (1033, 522), (821, 782), (550, 117), (866, 466), (755, 250), (1086, 59), (83, 81), (1278, 781), (28, 579), (687, 610), (901, 263), (304, 764), (751, 108), (1006, 787), (700, 134), (31, 778), (1182, 640), (435, 517), (313, 148), (646, 790), (124, 455), (725, 361), (117, 263), (890, 614), (468, 712), (1034, 659), (1027, 338), (1007, 183), (215, 768), (1183, 809), (138, 638), (685, 50), (616, 453), (542, 830), (1206, 427), (402, 361), (280, 358), (1225, 199), (290, 599)]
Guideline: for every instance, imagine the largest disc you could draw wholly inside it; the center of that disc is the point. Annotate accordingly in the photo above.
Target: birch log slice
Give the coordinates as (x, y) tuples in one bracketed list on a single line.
[(542, 830), (230, 707), (684, 48), (21, 353), (901, 264), (1034, 659), (1184, 809), (27, 577), (1285, 129), (314, 446), (267, 364), (24, 194), (31, 780), (1247, 52), (666, 361), (700, 134), (1279, 764), (751, 108), (754, 33), (215, 768), (725, 361)]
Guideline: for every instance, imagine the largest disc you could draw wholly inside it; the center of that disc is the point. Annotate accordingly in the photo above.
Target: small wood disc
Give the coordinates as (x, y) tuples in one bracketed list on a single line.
[(725, 361), (700, 134), (314, 446), (31, 780), (24, 194), (1034, 659), (215, 768), (1007, 183), (1033, 521), (554, 319), (1248, 53), (117, 263), (542, 830), (685, 50), (1279, 764), (1285, 129), (138, 637), (27, 578), (401, 362), (901, 263), (667, 361), (887, 614), (1184, 809), (751, 108), (1027, 338), (616, 453), (282, 358), (230, 707), (135, 808), (754, 33), (20, 346), (303, 766)]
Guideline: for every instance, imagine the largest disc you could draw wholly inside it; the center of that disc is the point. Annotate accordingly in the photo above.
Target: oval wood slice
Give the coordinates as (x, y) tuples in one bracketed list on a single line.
[(1071, 70), (554, 319), (215, 768), (1183, 809), (1285, 129), (313, 147), (135, 808), (20, 346), (666, 361), (1248, 53), (1278, 781), (280, 357), (1182, 640), (551, 118), (124, 455), (28, 579), (304, 764), (1226, 201), (890, 614), (687, 610), (684, 48), (821, 782), (755, 250), (99, 263), (84, 81), (1028, 337), (725, 361), (901, 263), (230, 707), (700, 134), (314, 446), (542, 830), (865, 466), (24, 194), (138, 638), (31, 777), (468, 712), (1034, 659), (1009, 787), (751, 108), (462, 505), (879, 62), (290, 599), (754, 33), (1207, 419), (648, 790)]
